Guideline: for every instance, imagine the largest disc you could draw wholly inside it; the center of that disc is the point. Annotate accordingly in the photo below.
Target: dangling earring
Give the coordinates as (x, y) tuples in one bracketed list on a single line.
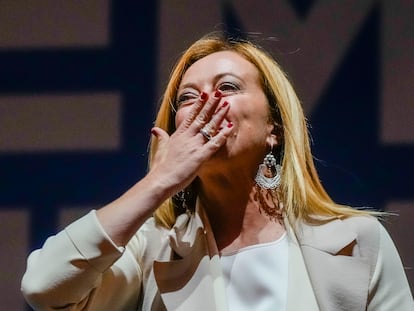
[(269, 173), (268, 179)]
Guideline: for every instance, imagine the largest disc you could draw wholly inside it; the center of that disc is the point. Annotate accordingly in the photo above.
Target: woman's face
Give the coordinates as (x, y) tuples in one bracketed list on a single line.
[(238, 81)]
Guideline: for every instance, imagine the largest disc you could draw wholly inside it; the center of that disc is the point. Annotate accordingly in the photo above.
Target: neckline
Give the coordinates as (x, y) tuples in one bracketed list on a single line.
[(254, 246)]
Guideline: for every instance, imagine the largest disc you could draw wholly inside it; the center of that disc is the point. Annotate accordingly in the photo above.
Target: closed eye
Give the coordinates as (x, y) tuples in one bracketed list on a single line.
[(228, 87), (186, 98)]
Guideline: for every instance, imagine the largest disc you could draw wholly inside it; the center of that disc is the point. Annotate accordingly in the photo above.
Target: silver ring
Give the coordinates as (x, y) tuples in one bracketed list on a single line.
[(205, 133)]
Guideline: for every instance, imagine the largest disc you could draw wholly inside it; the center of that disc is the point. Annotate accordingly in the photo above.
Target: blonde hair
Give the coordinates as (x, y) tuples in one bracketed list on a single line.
[(302, 193)]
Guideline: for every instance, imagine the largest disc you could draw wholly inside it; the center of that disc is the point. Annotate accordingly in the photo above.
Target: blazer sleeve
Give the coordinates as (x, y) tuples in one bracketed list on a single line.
[(80, 268), (389, 289)]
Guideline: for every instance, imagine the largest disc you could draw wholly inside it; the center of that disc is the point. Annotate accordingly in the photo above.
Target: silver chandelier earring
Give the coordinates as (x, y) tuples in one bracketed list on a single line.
[(268, 180), (269, 173)]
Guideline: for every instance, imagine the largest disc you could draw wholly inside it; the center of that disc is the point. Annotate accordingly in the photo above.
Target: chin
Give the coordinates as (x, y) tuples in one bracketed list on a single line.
[(219, 158), (223, 152)]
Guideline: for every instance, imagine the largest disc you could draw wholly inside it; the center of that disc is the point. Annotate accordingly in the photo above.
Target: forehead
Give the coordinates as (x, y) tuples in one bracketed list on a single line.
[(218, 63)]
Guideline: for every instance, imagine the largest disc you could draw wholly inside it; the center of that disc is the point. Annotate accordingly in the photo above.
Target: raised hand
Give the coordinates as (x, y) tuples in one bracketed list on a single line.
[(202, 131)]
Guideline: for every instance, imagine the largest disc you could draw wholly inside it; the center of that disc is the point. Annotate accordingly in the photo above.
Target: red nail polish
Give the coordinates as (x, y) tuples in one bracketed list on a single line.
[(225, 104), (217, 94), (203, 96), (230, 125)]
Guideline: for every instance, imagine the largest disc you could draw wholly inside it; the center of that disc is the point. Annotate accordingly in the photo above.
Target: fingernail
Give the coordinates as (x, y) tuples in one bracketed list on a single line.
[(203, 96), (225, 104), (217, 94), (230, 124)]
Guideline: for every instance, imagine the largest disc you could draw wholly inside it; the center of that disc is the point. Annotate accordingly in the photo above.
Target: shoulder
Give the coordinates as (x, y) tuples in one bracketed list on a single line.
[(356, 235), (363, 224), (362, 228)]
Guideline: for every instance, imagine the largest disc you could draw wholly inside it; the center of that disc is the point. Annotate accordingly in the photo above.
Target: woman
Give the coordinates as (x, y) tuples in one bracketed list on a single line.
[(240, 219)]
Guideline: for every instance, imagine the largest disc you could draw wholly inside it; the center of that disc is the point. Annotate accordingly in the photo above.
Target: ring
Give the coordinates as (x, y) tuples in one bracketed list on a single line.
[(205, 133)]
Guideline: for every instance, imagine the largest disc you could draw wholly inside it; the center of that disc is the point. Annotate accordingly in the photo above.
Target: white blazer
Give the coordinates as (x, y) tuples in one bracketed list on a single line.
[(348, 264)]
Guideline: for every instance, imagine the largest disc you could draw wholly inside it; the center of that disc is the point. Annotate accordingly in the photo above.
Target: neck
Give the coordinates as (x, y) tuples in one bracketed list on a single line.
[(234, 212)]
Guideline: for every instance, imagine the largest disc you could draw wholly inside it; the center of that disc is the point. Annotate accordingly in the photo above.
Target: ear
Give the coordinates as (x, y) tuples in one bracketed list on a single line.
[(272, 140), (274, 137)]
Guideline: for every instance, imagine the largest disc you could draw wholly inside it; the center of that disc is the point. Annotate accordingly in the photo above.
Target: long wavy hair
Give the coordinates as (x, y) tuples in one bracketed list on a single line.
[(303, 196)]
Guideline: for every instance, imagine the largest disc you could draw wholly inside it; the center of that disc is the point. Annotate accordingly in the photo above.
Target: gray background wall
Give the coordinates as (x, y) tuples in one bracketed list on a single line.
[(80, 81)]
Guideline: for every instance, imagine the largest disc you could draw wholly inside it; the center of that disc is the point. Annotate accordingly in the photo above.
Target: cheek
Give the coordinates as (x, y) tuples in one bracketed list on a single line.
[(253, 123), (180, 116)]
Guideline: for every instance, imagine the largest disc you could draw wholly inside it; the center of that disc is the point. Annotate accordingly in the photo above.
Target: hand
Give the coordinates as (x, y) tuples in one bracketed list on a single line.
[(180, 155)]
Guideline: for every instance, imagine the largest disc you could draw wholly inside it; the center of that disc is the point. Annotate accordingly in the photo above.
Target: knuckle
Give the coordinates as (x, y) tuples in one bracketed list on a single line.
[(217, 141), (202, 118)]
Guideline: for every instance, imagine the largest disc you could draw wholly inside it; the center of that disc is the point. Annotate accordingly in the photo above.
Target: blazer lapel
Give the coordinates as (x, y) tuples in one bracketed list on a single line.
[(189, 276), (299, 284), (339, 276)]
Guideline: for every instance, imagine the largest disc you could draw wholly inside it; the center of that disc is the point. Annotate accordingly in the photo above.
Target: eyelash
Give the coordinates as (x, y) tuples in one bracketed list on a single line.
[(228, 86), (223, 87), (185, 98)]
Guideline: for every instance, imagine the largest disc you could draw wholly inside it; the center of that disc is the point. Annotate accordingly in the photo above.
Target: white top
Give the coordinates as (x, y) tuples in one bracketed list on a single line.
[(256, 276)]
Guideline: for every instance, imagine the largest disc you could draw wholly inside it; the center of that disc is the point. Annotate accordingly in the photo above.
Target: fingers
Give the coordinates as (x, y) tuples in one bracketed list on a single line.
[(220, 138), (201, 111), (207, 120), (207, 111), (159, 133), (162, 137), (216, 122)]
